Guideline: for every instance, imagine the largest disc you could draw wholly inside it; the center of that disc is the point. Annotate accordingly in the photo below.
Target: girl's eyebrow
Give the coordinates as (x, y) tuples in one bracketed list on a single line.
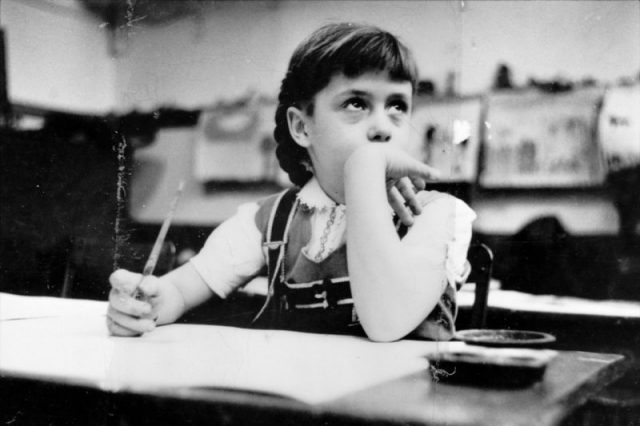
[(358, 92), (354, 92), (399, 95)]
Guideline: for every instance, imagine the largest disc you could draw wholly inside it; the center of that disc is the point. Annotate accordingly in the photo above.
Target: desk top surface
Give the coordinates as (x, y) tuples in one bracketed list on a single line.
[(298, 373)]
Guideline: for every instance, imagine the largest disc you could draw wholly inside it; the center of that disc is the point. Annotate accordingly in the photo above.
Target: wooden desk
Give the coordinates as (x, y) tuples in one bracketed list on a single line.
[(65, 369)]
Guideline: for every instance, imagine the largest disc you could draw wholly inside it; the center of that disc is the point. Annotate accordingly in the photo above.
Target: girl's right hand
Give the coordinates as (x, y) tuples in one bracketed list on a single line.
[(127, 315), (404, 175)]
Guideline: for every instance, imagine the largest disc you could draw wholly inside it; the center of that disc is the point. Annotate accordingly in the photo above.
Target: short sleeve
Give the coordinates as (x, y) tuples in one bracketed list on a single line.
[(232, 254), (457, 266), (440, 239), (441, 235)]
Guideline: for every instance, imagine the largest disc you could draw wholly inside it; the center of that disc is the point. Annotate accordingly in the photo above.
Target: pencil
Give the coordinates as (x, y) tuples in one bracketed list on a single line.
[(150, 266)]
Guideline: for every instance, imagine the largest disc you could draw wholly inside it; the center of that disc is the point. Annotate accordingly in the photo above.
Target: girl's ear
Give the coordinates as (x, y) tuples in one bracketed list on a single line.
[(297, 126)]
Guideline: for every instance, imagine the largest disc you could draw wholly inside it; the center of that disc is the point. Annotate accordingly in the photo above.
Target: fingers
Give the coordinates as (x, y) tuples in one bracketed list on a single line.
[(428, 173), (418, 183), (120, 324), (418, 170), (133, 284), (125, 281), (408, 192), (149, 287), (129, 305), (402, 198), (400, 164), (128, 315), (118, 330), (396, 201)]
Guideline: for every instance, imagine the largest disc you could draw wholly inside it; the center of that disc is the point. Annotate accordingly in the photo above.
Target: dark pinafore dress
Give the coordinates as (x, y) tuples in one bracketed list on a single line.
[(316, 296)]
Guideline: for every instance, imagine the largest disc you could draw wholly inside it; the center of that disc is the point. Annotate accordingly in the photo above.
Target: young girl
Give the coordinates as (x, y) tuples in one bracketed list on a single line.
[(338, 260)]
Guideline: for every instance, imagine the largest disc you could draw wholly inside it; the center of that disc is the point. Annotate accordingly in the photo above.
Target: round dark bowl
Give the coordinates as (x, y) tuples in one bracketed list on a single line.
[(505, 338)]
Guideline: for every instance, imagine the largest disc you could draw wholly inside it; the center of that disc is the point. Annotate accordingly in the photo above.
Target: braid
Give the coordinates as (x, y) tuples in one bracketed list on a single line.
[(291, 156)]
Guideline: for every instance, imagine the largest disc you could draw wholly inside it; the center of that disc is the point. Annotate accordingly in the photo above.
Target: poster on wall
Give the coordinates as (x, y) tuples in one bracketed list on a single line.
[(234, 144), (445, 134), (536, 139), (619, 127)]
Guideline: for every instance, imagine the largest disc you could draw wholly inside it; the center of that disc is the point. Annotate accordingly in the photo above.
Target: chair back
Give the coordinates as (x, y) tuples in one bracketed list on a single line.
[(480, 257)]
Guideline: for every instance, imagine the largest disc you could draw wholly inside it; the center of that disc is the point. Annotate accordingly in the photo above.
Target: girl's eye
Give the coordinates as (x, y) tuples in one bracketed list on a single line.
[(399, 107), (354, 104)]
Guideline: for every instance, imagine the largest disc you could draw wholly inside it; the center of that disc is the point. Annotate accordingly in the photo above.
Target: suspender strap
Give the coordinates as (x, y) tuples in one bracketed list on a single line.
[(276, 239), (277, 230)]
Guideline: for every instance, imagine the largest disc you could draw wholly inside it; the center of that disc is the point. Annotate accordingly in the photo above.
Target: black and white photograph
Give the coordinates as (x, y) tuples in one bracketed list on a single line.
[(320, 212)]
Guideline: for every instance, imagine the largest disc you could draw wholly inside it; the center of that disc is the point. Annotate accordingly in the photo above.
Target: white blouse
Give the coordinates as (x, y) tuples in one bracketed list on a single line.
[(233, 255)]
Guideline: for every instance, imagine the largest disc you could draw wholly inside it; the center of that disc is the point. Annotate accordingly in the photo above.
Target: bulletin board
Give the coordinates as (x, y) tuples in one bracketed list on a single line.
[(234, 143), (446, 135), (619, 127), (536, 139)]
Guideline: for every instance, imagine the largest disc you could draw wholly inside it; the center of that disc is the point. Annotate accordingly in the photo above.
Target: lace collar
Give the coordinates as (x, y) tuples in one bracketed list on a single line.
[(313, 197)]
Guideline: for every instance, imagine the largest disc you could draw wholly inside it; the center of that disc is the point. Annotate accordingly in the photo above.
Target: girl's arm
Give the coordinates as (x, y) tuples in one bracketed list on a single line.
[(394, 286)]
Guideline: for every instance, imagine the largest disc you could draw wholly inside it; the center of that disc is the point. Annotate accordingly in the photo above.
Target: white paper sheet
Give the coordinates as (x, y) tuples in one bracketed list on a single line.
[(14, 306), (306, 367), (312, 368)]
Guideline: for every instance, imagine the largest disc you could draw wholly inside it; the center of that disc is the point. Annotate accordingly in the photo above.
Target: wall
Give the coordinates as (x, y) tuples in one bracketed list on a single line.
[(234, 47), (61, 57), (58, 57)]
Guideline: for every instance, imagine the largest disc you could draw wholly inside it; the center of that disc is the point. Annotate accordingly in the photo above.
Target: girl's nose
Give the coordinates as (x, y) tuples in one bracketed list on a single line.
[(379, 130)]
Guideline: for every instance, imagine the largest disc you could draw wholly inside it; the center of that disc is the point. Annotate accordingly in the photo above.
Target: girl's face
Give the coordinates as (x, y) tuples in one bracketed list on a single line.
[(351, 112)]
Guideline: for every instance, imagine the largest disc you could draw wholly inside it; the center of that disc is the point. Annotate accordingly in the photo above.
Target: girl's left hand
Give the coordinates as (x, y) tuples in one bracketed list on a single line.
[(401, 194)]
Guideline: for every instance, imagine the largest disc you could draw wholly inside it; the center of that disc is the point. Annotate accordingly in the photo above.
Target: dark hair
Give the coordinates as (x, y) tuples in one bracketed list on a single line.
[(346, 48)]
